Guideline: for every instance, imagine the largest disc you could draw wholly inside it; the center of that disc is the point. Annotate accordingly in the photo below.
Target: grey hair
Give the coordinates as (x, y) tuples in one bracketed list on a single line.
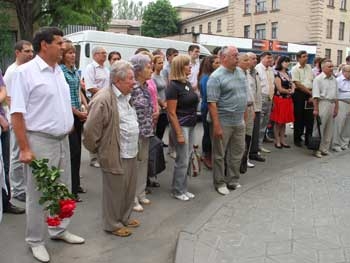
[(345, 68), (119, 69), (97, 49), (139, 62)]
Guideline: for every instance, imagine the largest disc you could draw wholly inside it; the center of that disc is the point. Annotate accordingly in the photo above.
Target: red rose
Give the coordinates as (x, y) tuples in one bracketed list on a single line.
[(53, 221), (66, 208)]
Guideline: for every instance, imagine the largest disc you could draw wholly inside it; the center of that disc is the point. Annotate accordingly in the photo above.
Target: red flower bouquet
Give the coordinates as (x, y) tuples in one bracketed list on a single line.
[(56, 198)]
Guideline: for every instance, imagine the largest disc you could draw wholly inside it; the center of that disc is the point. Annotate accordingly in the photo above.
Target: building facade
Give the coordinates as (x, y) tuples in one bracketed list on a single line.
[(324, 23)]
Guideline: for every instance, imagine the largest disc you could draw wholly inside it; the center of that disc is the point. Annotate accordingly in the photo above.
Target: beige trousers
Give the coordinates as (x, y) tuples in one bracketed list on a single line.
[(142, 167), (341, 133)]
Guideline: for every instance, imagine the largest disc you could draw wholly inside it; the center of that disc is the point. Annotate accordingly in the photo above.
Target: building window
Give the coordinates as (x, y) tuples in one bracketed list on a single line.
[(339, 57), (331, 3), (327, 53), (343, 4), (260, 6), (209, 27), (247, 31), (218, 26), (192, 29), (260, 31), (329, 28), (341, 30), (246, 6), (200, 28), (274, 27), (275, 4), (185, 31)]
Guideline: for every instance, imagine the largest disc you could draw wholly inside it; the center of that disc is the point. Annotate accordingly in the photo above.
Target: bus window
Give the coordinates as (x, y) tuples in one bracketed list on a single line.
[(87, 50), (77, 55)]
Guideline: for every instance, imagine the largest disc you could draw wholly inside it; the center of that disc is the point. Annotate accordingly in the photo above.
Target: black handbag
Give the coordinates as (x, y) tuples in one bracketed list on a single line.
[(315, 141)]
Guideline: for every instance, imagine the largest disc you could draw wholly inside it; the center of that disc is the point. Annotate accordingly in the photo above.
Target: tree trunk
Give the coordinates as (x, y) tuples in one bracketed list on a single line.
[(24, 9)]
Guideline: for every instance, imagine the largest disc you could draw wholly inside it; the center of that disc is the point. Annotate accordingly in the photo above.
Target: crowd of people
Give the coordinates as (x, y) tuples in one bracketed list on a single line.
[(50, 111)]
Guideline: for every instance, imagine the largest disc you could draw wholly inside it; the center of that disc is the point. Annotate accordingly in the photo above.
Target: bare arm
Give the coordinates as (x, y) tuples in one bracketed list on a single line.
[(174, 121), (3, 94), (302, 88), (19, 127), (217, 129), (316, 106)]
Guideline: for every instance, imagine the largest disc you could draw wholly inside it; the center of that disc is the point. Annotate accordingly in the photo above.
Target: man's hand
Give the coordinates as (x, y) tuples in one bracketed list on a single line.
[(82, 116), (335, 112), (315, 112), (217, 132), (180, 139), (26, 156), (4, 124)]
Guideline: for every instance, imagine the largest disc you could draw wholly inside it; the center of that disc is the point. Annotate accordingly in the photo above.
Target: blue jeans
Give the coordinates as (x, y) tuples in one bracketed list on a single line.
[(183, 151)]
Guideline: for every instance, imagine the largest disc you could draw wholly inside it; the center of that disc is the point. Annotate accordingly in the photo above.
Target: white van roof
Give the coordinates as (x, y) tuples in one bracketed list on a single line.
[(105, 38)]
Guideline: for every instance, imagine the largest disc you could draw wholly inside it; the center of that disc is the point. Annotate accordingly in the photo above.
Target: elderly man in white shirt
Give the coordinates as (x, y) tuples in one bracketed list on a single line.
[(96, 77), (341, 133), (41, 116), (325, 95)]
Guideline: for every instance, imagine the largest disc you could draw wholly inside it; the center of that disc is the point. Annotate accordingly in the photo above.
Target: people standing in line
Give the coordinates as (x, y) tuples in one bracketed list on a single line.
[(194, 52), (182, 102), (341, 134), (7, 206), (244, 63), (266, 75), (112, 131), (41, 116), (302, 77), (96, 77), (170, 54), (255, 87), (227, 101), (142, 102), (208, 65), (114, 56), (24, 53), (325, 98), (79, 115), (282, 110), (161, 84)]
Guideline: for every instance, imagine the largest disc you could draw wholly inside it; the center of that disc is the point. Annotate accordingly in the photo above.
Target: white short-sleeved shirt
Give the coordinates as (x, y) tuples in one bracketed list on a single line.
[(193, 77), (267, 78), (8, 77), (303, 74), (343, 88), (128, 125), (325, 88), (42, 95), (96, 76)]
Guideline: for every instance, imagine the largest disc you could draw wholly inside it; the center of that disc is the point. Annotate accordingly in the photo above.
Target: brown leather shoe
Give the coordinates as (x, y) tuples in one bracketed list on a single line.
[(133, 223), (122, 232)]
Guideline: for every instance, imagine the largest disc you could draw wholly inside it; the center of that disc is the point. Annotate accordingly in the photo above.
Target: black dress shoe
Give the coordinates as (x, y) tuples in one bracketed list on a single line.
[(153, 184), (81, 190), (285, 145), (278, 146), (257, 158), (12, 209)]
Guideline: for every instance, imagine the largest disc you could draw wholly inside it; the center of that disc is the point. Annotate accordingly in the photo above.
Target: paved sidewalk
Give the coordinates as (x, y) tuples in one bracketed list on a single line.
[(301, 215)]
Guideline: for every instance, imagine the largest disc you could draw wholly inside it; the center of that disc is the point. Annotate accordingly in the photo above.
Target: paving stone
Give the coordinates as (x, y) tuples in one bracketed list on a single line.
[(279, 247), (331, 255)]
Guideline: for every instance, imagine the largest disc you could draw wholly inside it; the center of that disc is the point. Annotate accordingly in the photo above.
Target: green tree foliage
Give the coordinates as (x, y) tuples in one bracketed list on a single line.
[(61, 13), (6, 44), (124, 9), (159, 19)]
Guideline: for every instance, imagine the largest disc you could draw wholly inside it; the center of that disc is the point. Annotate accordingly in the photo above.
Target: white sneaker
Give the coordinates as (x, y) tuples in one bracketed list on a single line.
[(264, 150), (172, 155), (337, 149), (40, 253), (137, 208), (345, 147), (223, 190), (250, 165), (182, 197), (325, 152), (145, 201), (69, 238), (189, 195), (317, 154), (95, 164)]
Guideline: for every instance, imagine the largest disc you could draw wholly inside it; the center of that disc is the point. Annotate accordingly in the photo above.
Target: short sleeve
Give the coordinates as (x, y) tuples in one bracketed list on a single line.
[(172, 92), (295, 74), (21, 96), (88, 76), (316, 88), (213, 89)]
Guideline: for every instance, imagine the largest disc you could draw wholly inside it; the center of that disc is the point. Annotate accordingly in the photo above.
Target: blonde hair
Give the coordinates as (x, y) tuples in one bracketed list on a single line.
[(68, 46), (177, 68)]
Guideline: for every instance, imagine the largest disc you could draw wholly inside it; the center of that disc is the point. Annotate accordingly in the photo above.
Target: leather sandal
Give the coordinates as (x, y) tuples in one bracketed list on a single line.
[(133, 223), (122, 232)]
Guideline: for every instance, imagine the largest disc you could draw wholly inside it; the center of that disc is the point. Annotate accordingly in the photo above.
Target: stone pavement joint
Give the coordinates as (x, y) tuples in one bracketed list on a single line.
[(298, 215)]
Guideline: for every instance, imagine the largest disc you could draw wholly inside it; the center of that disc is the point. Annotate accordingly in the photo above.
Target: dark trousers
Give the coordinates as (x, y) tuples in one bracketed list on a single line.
[(303, 118), (206, 141), (161, 125), (75, 153), (5, 145), (254, 145)]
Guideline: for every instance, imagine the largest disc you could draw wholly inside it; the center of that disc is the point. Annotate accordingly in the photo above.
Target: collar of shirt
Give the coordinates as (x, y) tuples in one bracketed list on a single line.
[(342, 78), (96, 65), (65, 68), (324, 76), (119, 94), (300, 66), (43, 65)]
